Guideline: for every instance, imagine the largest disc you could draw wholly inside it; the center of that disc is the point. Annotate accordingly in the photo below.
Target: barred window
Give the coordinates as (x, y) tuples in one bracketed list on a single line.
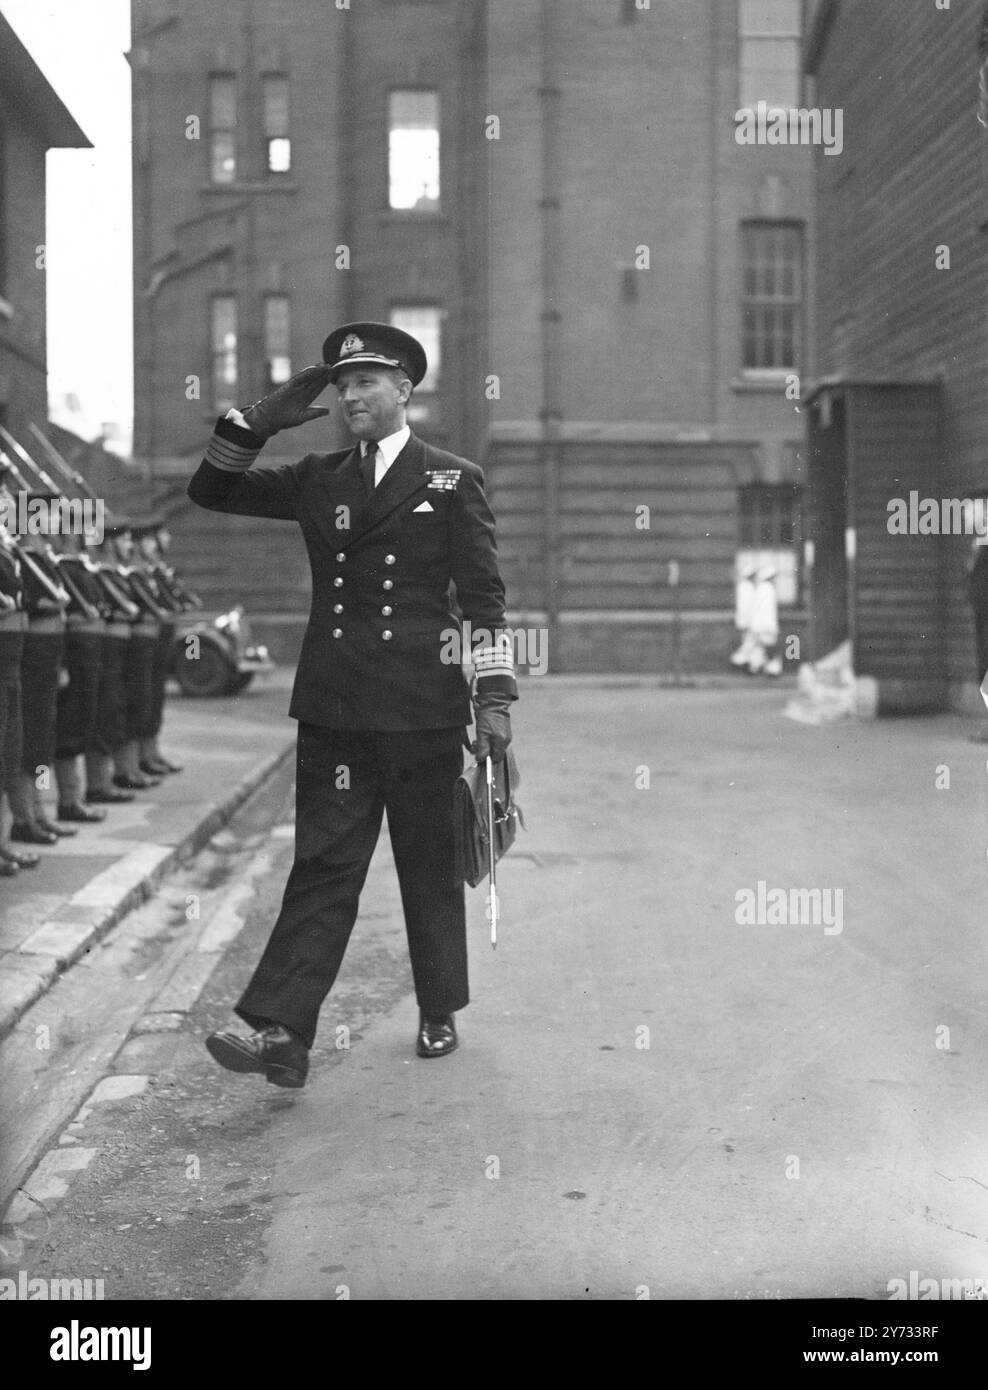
[(277, 338), (771, 532), (413, 150), (770, 56), (771, 295), (277, 140), (222, 127), (223, 330)]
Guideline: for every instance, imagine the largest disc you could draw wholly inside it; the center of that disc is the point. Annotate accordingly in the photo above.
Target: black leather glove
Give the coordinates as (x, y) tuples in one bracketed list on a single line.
[(289, 405), (493, 727)]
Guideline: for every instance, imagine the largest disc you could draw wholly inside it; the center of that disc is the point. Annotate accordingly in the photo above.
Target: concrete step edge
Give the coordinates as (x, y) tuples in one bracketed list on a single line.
[(61, 948)]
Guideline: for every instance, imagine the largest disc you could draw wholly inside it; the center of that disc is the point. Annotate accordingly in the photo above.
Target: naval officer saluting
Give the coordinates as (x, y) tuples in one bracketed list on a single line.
[(387, 526)]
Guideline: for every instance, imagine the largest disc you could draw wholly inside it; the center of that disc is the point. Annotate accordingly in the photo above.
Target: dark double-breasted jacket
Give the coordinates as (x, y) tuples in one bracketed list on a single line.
[(381, 649)]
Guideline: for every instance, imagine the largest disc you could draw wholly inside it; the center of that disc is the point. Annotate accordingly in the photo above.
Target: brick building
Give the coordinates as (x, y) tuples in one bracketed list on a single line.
[(33, 120), (902, 339), (615, 292)]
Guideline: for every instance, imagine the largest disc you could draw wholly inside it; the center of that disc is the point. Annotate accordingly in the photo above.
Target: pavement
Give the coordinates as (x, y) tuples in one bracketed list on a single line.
[(51, 916), (672, 1082)]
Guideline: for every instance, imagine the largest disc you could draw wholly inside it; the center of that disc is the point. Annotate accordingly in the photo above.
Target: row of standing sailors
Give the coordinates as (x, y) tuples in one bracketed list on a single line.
[(85, 646)]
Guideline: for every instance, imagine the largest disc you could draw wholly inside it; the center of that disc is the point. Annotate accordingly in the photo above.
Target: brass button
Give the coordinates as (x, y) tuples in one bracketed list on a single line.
[(387, 635), (341, 557), (337, 583), (337, 608), (337, 632), (389, 559), (388, 584), (387, 610)]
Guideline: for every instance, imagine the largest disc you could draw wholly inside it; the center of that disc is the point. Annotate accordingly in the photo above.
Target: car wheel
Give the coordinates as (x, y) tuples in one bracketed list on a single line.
[(205, 675)]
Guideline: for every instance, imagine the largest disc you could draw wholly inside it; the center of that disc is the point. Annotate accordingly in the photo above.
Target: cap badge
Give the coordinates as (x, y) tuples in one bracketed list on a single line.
[(351, 343)]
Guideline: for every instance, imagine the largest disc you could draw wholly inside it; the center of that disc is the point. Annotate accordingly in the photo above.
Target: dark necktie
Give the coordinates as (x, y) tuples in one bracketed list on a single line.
[(367, 464)]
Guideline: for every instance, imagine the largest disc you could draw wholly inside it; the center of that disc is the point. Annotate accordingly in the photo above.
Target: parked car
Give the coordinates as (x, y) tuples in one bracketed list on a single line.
[(217, 656)]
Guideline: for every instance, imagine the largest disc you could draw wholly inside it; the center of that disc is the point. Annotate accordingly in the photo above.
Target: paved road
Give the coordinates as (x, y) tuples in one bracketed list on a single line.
[(652, 1096)]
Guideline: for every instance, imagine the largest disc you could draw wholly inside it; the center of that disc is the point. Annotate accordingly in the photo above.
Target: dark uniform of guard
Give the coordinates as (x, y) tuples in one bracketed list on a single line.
[(173, 599), (78, 698), (47, 601), (120, 612), (380, 701), (139, 661), (13, 626)]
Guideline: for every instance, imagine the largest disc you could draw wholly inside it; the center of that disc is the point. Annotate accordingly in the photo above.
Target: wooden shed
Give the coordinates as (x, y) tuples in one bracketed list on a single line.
[(872, 445)]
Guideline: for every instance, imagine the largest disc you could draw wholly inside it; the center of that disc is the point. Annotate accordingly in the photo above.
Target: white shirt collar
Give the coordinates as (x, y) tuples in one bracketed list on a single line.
[(391, 445)]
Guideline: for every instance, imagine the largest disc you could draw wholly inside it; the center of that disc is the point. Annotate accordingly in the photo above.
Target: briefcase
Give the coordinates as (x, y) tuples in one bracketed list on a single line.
[(470, 818)]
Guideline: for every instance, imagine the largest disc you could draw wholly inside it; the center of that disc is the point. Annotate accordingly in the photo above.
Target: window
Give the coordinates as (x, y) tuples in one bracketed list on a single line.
[(224, 346), (770, 53), (277, 339), (413, 151), (423, 322), (771, 531), (277, 142), (771, 296), (222, 127)]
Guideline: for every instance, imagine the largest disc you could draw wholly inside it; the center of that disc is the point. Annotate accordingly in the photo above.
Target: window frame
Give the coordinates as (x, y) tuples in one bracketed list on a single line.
[(413, 212), (436, 361), (218, 354), (763, 371), (792, 38), (267, 137), (270, 298), (217, 131)]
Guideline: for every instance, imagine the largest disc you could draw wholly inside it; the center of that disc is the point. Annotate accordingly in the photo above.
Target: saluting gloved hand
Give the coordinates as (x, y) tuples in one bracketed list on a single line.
[(290, 404), (493, 726)]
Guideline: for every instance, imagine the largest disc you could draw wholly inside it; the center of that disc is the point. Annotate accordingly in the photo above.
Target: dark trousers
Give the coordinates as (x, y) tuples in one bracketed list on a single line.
[(78, 702), (11, 648), (411, 776), (159, 678), (139, 685), (111, 716), (40, 662)]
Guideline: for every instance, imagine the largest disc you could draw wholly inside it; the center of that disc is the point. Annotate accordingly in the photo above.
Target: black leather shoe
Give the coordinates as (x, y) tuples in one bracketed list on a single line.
[(8, 869), (52, 828), (135, 784), (108, 794), (80, 813), (437, 1036), (26, 833), (275, 1052), (21, 861)]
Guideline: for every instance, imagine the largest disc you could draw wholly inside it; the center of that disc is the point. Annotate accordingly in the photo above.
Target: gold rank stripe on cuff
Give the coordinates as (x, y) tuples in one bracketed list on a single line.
[(493, 661), (230, 457)]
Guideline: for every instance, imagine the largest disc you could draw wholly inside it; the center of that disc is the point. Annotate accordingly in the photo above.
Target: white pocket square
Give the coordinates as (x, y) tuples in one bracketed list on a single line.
[(424, 507)]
